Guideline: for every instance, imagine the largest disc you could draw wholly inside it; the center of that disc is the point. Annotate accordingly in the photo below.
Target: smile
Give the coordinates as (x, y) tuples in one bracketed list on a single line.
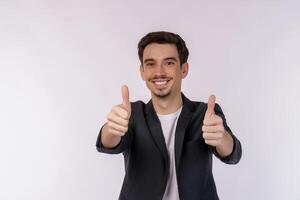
[(161, 82)]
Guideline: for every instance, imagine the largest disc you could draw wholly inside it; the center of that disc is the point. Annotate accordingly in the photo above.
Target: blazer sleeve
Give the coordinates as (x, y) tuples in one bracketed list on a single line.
[(124, 144), (236, 154)]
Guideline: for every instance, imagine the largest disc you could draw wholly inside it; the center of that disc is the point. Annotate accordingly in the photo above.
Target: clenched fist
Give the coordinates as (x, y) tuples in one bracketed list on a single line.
[(213, 128), (118, 117)]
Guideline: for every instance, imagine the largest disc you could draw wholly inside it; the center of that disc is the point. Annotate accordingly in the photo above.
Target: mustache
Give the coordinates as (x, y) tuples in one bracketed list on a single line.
[(160, 77)]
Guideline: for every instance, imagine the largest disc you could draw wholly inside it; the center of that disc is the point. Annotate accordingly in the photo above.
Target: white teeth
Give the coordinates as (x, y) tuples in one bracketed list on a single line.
[(160, 82)]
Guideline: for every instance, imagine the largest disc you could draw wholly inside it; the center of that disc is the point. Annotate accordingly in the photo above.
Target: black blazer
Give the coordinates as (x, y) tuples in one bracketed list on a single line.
[(146, 157)]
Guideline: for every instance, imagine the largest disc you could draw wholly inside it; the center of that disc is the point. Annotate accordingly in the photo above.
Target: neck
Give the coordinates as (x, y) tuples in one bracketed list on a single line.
[(167, 105)]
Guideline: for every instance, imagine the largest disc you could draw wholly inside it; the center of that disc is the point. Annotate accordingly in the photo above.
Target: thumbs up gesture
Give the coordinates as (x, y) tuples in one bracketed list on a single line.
[(213, 128), (118, 117)]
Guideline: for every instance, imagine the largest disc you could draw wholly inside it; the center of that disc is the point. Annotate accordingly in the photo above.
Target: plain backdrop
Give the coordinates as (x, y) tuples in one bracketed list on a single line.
[(62, 64)]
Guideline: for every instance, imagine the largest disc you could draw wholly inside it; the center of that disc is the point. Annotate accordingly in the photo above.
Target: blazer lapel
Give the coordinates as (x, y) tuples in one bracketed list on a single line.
[(182, 123), (156, 131)]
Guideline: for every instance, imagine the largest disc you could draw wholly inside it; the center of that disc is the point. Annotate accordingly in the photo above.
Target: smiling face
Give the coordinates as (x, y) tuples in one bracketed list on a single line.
[(161, 70)]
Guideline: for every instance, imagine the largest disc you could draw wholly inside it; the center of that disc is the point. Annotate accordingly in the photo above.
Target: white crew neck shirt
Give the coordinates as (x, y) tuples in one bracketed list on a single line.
[(168, 123)]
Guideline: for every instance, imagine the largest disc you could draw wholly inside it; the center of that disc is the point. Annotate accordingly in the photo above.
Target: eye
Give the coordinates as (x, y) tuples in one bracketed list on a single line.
[(149, 64), (170, 63)]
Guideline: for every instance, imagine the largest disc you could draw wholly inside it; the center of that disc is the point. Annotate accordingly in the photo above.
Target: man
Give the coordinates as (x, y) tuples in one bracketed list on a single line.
[(167, 143)]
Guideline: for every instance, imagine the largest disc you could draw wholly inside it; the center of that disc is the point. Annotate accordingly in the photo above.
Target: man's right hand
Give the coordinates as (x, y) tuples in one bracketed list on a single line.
[(118, 117)]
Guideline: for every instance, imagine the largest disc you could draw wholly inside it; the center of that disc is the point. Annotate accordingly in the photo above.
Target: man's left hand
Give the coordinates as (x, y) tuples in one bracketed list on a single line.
[(213, 128)]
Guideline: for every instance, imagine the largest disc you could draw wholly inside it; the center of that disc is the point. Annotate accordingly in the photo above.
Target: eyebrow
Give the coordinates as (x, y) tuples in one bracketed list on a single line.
[(171, 58), (148, 60), (168, 58)]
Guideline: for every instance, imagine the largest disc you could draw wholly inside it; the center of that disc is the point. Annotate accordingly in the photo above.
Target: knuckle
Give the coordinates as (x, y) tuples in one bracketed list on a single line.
[(126, 122), (109, 116), (121, 133), (127, 114), (113, 109), (109, 123), (222, 129), (220, 120)]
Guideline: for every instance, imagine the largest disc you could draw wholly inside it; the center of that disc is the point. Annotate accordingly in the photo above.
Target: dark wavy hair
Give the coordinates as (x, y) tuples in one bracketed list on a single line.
[(164, 37)]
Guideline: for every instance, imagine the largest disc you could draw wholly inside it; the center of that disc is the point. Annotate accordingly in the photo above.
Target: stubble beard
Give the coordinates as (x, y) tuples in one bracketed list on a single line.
[(164, 95)]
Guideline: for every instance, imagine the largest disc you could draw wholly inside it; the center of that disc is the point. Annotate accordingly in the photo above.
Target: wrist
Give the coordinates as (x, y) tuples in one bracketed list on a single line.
[(225, 148), (108, 139)]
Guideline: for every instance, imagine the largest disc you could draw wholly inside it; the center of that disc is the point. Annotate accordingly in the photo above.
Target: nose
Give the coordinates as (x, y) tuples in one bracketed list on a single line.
[(160, 70)]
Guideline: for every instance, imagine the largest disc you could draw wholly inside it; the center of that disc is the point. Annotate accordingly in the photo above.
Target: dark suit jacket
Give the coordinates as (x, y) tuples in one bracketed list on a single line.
[(146, 157)]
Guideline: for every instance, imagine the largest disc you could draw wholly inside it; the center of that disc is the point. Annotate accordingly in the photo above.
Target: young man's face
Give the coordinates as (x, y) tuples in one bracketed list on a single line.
[(161, 69)]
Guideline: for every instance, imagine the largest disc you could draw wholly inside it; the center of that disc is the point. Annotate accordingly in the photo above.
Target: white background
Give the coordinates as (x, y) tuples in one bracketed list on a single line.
[(62, 64)]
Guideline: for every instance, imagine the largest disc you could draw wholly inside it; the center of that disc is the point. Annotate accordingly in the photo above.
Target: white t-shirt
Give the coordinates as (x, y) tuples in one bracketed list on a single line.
[(168, 123)]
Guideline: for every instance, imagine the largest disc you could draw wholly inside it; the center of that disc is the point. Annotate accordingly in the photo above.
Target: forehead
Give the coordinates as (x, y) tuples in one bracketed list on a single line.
[(160, 51)]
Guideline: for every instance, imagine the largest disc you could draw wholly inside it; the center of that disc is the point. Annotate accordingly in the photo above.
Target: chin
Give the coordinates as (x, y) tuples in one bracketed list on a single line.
[(161, 94)]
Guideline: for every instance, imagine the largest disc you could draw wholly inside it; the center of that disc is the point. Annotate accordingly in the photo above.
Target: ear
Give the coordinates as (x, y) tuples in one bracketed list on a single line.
[(184, 70), (142, 72)]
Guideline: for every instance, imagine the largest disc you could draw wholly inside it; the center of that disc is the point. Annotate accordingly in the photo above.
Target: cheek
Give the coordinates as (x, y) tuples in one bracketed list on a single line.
[(177, 77), (146, 77)]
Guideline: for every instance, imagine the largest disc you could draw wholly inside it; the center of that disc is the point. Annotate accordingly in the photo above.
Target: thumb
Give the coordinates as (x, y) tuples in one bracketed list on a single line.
[(210, 106), (125, 96)]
